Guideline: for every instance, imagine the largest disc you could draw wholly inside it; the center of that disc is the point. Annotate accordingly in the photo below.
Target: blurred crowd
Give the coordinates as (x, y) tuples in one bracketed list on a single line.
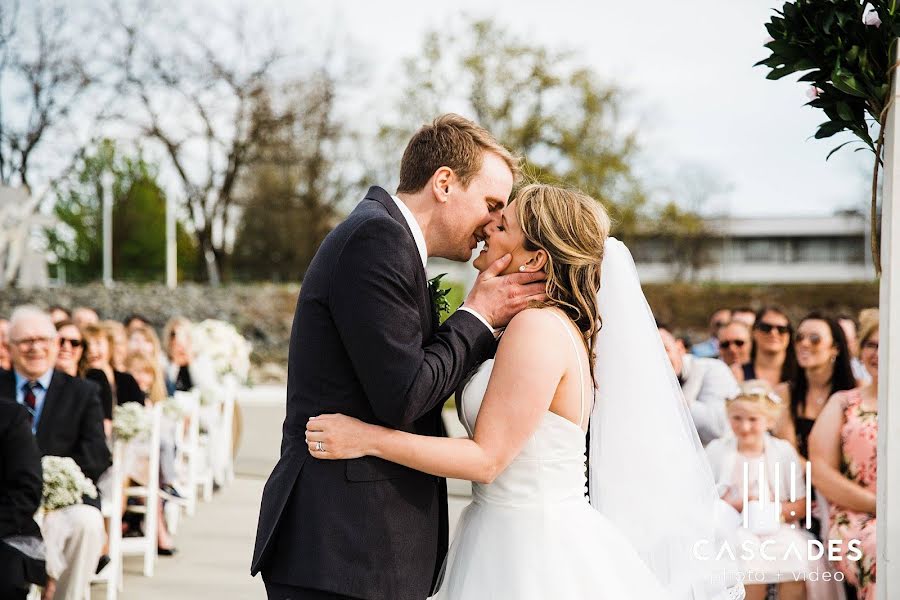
[(767, 394), (62, 373)]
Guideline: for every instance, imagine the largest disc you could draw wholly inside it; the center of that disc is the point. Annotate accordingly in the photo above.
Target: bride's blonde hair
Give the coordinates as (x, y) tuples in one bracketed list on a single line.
[(571, 227)]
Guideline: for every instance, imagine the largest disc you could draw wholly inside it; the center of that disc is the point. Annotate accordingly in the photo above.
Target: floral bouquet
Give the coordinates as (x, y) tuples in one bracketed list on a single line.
[(222, 345), (64, 483), (175, 408), (129, 421)]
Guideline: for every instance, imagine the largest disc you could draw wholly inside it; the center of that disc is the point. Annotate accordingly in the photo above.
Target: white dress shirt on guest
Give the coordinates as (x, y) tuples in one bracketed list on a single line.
[(706, 383)]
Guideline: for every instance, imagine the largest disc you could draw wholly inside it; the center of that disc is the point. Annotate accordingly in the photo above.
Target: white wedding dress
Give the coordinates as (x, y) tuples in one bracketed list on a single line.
[(531, 534)]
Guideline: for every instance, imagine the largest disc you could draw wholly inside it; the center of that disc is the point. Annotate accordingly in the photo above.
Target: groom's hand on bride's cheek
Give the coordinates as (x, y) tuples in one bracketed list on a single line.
[(498, 298)]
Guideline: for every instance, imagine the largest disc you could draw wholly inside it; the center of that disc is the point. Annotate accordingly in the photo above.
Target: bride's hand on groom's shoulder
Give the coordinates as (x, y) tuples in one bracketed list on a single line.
[(334, 437), (498, 297)]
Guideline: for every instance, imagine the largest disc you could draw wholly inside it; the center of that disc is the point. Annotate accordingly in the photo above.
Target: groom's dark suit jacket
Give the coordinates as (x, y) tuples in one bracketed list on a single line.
[(365, 343)]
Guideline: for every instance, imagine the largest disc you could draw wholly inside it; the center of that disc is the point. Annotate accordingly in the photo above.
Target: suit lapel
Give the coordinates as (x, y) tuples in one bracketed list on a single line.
[(425, 310), (49, 411)]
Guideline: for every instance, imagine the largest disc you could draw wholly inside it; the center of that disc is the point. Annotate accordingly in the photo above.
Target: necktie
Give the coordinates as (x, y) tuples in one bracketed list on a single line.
[(30, 399)]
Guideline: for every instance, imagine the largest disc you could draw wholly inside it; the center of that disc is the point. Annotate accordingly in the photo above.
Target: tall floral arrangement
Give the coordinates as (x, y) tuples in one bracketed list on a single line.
[(846, 51), (227, 349)]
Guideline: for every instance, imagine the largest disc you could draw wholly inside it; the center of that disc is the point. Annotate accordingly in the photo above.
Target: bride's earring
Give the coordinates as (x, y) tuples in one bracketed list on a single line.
[(522, 268)]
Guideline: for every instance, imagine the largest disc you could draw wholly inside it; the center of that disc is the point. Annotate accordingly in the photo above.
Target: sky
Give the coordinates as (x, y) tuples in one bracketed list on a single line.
[(688, 67)]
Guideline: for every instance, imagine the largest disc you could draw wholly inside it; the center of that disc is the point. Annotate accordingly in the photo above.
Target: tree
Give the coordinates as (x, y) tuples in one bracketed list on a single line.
[(43, 79), (292, 194), (138, 220), (539, 102), (194, 98)]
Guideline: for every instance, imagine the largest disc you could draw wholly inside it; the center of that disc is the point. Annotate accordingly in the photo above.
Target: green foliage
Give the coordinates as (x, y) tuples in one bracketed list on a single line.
[(138, 221), (847, 60), (541, 103), (845, 49)]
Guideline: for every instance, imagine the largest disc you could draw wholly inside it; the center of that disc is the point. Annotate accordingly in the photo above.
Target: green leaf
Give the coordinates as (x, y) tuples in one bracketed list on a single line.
[(829, 128), (847, 83), (844, 111), (838, 148)]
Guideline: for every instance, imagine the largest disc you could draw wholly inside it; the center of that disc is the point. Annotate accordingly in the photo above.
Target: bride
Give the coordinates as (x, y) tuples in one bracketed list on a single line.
[(530, 532)]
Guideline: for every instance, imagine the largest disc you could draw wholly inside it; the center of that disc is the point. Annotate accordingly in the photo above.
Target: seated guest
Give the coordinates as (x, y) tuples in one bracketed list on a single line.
[(848, 324), (744, 314), (148, 373), (706, 383), (21, 484), (709, 348), (118, 349), (71, 349), (84, 316), (843, 449), (772, 357), (116, 387), (734, 345), (59, 314), (67, 420), (774, 545), (135, 320), (143, 340), (4, 351)]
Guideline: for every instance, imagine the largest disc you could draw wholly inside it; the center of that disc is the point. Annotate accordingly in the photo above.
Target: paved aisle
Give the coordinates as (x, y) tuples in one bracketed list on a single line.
[(214, 550)]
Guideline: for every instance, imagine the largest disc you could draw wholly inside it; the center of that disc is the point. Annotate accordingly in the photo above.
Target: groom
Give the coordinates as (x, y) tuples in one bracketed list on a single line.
[(366, 342)]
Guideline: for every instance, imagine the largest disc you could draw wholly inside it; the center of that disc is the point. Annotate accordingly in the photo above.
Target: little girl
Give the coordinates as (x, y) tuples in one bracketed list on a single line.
[(772, 548)]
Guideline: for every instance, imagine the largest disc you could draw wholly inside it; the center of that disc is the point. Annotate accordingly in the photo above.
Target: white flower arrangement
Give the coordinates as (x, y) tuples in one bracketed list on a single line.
[(224, 347), (175, 408), (129, 421), (64, 483)]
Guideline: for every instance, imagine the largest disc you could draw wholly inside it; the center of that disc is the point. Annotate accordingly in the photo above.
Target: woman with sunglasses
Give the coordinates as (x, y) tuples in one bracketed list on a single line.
[(69, 360), (843, 447), (772, 356)]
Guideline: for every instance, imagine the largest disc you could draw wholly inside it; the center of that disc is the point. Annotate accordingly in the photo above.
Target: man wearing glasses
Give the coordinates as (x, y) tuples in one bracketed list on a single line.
[(66, 420)]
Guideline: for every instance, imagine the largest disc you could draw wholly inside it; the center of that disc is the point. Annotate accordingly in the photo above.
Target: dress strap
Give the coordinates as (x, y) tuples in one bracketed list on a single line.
[(578, 360)]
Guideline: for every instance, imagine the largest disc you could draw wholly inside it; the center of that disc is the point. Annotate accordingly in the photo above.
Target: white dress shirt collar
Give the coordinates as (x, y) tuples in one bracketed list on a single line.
[(417, 234)]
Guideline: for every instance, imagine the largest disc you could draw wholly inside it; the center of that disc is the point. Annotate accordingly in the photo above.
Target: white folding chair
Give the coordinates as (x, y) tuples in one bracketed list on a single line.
[(189, 458), (227, 438), (111, 508), (146, 545)]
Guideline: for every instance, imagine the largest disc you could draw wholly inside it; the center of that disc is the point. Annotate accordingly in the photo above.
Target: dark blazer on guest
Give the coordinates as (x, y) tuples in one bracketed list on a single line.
[(71, 423), (21, 481), (365, 342), (127, 389)]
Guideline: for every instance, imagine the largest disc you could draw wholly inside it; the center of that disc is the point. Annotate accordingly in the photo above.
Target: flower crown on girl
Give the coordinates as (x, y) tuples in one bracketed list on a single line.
[(757, 391)]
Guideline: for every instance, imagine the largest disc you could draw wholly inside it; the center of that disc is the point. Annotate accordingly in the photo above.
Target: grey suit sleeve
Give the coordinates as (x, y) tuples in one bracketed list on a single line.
[(373, 299), (708, 411)]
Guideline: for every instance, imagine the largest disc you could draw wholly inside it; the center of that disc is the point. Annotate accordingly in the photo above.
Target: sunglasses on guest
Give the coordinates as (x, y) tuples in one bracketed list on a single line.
[(75, 343), (726, 344), (813, 338), (769, 327)]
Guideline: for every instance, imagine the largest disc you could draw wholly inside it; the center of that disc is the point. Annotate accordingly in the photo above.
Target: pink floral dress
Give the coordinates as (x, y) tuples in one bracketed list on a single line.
[(859, 444)]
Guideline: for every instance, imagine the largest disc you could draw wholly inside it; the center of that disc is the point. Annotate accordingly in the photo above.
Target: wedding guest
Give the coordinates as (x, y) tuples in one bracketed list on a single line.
[(772, 358), (116, 387), (744, 314), (784, 559), (706, 383), (734, 345), (709, 348), (70, 357), (843, 448), (148, 374), (67, 420), (59, 314), (84, 316), (135, 320), (119, 349), (824, 369), (21, 484), (143, 340), (848, 324), (4, 351)]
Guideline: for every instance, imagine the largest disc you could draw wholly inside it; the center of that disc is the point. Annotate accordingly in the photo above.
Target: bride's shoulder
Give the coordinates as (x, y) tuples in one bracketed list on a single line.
[(534, 324)]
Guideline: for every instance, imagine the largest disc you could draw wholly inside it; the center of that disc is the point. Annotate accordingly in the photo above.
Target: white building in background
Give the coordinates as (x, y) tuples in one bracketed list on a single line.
[(824, 249), (22, 261), (818, 249)]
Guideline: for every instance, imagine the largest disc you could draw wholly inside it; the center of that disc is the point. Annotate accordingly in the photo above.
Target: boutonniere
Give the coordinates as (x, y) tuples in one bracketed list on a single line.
[(438, 295)]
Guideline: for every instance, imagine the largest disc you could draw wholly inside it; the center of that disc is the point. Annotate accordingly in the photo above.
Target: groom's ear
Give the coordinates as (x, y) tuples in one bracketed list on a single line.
[(441, 182)]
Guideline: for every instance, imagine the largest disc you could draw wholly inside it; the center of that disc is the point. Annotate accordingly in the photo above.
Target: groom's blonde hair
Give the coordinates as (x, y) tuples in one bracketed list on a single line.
[(449, 141)]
